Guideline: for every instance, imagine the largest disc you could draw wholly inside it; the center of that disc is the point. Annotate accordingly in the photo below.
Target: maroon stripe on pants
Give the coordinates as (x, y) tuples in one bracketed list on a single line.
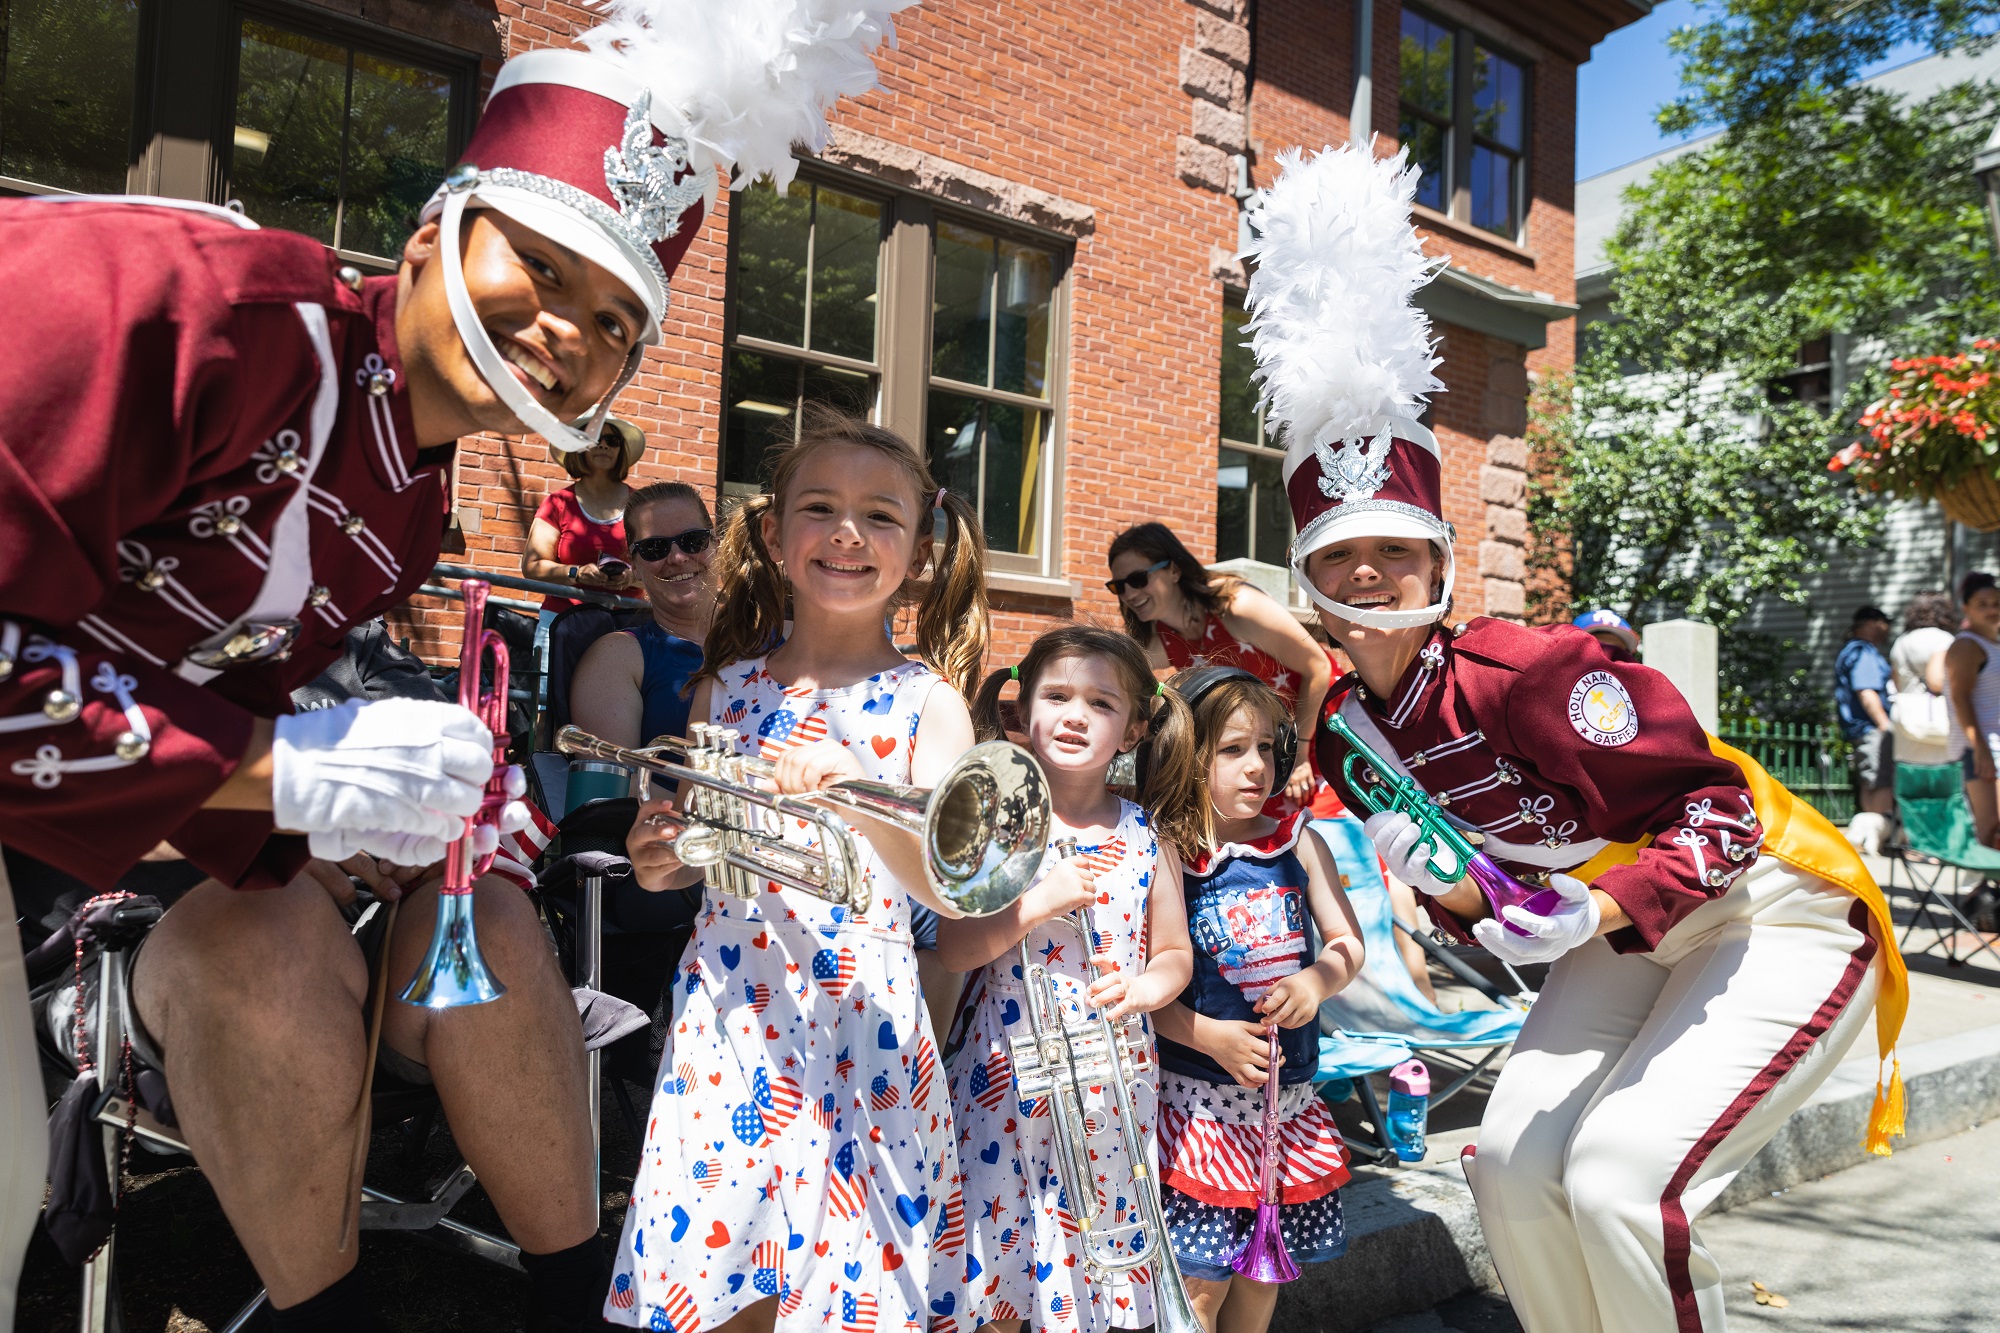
[(1673, 1217)]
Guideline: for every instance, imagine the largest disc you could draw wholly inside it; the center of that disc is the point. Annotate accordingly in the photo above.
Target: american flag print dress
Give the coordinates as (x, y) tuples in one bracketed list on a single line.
[(800, 1141), (1023, 1257)]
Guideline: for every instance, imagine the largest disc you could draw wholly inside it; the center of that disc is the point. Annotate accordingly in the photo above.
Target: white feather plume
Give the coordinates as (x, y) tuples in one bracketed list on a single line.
[(750, 77), (1339, 340)]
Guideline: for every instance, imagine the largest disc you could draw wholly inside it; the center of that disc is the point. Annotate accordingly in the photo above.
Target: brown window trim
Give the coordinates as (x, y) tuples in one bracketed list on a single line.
[(903, 343), (1464, 40)]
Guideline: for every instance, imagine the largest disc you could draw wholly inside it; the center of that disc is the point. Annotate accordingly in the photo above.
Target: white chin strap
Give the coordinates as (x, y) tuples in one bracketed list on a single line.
[(486, 358), (1375, 617)]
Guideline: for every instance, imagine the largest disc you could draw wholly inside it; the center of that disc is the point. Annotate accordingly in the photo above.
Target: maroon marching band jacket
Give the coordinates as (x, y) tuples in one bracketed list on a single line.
[(1553, 751), (205, 439)]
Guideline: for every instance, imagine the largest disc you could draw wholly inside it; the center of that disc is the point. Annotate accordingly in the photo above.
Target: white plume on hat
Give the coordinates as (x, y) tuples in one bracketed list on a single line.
[(1340, 342), (750, 78)]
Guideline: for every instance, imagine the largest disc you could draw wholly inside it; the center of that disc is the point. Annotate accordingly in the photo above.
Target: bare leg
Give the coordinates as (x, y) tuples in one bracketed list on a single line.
[(1005, 1326), (511, 1073), (1985, 809), (943, 989), (1207, 1298), (1249, 1307), (1403, 903), (257, 1000)]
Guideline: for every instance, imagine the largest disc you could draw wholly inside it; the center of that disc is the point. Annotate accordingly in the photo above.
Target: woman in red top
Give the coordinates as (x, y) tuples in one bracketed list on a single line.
[(581, 525), (1183, 615)]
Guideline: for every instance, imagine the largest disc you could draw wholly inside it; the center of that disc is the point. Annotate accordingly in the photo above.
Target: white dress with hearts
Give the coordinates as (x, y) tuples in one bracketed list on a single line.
[(1022, 1260), (800, 1140)]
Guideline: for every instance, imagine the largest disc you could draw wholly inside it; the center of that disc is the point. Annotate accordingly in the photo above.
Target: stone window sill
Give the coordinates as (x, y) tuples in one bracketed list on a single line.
[(1432, 220)]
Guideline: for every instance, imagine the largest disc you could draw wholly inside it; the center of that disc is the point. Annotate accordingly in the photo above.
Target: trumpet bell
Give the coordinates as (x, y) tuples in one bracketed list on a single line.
[(452, 974), (985, 827), (1264, 1257)]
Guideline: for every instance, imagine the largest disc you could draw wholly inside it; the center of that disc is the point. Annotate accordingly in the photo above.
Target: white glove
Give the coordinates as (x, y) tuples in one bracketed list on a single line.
[(390, 766), (416, 849), (1397, 840), (399, 849), (1574, 922)]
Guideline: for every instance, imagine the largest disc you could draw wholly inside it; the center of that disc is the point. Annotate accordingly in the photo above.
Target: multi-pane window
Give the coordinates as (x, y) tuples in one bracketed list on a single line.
[(1464, 119), (342, 144), (988, 414), (1499, 142), (1425, 123), (67, 73), (806, 308), (970, 375), (1252, 517)]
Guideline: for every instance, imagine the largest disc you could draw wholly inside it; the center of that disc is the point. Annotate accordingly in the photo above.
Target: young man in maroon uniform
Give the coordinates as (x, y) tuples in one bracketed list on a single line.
[(218, 451), (1716, 946)]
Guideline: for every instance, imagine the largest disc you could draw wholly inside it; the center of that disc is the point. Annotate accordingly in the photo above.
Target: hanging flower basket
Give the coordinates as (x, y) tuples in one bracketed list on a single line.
[(1935, 434), (1973, 501)]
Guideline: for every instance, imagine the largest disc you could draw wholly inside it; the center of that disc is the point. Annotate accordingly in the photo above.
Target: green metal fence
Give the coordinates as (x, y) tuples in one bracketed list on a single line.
[(1808, 757)]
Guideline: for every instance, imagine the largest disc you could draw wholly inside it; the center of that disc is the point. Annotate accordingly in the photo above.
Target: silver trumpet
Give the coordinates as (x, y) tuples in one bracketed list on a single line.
[(982, 828), (1059, 1060)]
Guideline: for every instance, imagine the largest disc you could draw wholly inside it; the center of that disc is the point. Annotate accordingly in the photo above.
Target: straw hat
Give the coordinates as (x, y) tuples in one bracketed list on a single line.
[(616, 430)]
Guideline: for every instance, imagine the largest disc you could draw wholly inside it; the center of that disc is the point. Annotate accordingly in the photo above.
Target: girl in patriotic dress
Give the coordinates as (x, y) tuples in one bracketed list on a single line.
[(1249, 884), (1086, 695), (799, 1153)]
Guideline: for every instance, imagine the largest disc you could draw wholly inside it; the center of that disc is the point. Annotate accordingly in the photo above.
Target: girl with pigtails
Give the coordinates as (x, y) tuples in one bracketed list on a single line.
[(1256, 889), (799, 1153), (1086, 696)]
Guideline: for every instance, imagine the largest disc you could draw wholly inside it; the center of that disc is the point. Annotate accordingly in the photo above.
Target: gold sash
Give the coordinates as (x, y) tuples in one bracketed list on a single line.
[(1802, 838)]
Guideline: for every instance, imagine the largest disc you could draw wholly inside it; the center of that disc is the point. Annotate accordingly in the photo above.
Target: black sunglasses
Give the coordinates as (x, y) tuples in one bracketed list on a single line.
[(1137, 579), (694, 541)]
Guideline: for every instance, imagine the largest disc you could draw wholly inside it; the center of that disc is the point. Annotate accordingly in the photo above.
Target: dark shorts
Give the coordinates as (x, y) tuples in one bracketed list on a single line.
[(1874, 759), (1207, 1237), (147, 1051)]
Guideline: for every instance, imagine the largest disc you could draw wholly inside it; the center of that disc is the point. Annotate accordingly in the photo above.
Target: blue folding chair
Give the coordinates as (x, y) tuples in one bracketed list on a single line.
[(1383, 1004), (1345, 1062)]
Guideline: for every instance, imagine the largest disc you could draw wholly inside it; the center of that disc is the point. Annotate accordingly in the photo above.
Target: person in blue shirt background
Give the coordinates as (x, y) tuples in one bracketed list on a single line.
[(1613, 631), (1861, 693)]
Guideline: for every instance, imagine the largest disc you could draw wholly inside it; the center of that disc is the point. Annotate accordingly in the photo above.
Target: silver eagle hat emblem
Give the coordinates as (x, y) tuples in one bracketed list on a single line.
[(1354, 468), (641, 176)]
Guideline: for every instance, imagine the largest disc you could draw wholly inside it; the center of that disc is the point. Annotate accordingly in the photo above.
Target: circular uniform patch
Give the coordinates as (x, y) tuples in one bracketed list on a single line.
[(1601, 710)]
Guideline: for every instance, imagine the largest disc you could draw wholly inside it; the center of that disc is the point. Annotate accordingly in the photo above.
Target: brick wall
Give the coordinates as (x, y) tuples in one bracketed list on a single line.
[(1132, 115)]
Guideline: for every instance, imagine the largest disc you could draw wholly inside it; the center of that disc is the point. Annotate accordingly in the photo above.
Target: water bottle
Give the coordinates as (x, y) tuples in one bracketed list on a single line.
[(1409, 1108)]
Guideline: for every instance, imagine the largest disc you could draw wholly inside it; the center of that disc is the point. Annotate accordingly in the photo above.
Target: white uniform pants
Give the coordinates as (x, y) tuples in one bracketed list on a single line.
[(24, 1130), (1640, 1086)]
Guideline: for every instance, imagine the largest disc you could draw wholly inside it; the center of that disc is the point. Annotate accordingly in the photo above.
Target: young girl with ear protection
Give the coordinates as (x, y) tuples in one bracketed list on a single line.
[(1249, 881), (1086, 696), (799, 1152)]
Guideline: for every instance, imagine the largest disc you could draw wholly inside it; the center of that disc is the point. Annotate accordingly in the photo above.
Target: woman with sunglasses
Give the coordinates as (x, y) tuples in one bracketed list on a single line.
[(1185, 616), (628, 687), (581, 526)]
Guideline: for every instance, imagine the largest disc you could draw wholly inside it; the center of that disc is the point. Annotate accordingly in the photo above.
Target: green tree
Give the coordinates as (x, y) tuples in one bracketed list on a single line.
[(1690, 479)]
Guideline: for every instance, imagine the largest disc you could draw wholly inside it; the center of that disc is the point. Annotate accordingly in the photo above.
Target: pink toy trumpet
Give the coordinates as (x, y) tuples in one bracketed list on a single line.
[(1264, 1258)]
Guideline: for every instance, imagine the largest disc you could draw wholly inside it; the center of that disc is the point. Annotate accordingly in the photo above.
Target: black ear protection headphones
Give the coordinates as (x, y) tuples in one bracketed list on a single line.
[(1284, 744)]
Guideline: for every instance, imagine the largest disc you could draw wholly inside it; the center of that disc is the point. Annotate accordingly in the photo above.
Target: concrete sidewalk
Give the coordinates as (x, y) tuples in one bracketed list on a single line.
[(1414, 1236)]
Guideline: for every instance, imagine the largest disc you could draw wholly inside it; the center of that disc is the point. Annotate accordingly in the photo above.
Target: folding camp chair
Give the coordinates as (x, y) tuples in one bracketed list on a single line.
[(1937, 839), (1383, 1003), (1345, 1062)]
